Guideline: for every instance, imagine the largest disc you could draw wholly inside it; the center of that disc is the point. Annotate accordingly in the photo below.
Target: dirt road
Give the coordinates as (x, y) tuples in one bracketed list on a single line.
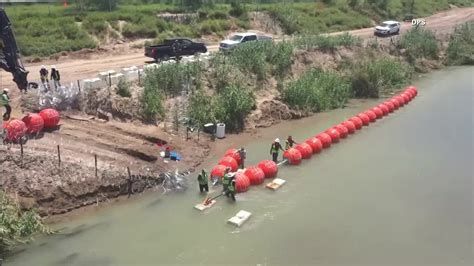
[(72, 70)]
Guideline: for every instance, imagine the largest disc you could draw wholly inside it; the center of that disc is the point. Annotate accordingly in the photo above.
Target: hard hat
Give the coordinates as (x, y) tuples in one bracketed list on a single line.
[(53, 67), (277, 140), (5, 90), (231, 174), (43, 67)]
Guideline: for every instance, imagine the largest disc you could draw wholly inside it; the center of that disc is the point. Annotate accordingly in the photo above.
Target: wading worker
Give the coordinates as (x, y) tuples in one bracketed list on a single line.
[(289, 142), (226, 179), (275, 149), (203, 181), (5, 101), (230, 192), (242, 154)]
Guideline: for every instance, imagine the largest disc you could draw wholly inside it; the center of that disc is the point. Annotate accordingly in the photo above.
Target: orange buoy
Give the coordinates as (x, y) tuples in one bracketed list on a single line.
[(234, 153), (16, 129), (218, 171), (365, 119), (406, 97), (50, 117), (343, 131), (293, 156), (384, 108), (372, 116), (242, 182), (334, 134), (305, 150), (269, 168), (325, 139), (316, 144), (229, 162), (34, 123), (357, 122), (351, 128), (390, 105), (255, 175), (395, 102), (378, 112), (413, 90), (400, 100)]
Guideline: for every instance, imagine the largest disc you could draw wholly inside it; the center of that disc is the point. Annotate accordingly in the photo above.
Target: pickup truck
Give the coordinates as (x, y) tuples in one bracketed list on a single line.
[(174, 48), (239, 38)]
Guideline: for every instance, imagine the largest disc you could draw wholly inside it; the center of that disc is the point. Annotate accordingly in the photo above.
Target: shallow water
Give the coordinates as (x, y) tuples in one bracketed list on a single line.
[(398, 192)]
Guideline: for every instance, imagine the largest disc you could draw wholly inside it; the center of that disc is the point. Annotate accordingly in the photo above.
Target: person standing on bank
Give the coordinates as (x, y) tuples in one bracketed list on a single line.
[(242, 153), (55, 77), (203, 181), (5, 101)]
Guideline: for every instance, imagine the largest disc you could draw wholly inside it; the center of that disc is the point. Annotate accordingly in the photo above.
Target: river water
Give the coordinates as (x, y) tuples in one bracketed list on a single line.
[(399, 192)]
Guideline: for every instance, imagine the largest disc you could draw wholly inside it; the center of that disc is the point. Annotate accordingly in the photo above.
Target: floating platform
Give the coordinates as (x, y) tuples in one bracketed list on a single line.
[(276, 184), (203, 207), (240, 218)]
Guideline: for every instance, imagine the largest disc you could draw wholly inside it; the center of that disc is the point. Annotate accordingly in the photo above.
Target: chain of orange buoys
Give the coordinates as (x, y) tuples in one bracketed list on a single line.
[(255, 175)]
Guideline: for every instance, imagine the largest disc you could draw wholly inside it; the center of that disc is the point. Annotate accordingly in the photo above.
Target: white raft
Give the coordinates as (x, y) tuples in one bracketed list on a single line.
[(203, 207), (240, 218), (276, 184)]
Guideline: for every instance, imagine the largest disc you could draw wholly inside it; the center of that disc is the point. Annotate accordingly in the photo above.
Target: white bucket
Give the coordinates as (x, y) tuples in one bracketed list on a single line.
[(220, 130)]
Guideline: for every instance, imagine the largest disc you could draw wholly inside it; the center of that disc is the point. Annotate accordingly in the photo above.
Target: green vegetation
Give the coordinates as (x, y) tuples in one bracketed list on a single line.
[(326, 43), (317, 91), (17, 226), (419, 43), (461, 46), (123, 88), (371, 76)]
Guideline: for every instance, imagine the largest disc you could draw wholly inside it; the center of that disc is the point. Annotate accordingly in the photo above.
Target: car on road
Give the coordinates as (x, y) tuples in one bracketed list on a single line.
[(239, 38), (387, 28), (174, 48)]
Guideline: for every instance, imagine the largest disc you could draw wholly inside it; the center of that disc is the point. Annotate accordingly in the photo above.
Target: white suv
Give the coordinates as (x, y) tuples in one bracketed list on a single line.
[(387, 28)]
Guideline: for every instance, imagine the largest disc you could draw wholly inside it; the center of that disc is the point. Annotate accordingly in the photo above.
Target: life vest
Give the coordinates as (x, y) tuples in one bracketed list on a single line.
[(226, 180), (274, 148), (231, 187), (4, 100), (202, 179)]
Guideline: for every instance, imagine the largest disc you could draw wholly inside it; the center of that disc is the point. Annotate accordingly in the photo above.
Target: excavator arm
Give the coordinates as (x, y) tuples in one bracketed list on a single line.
[(9, 54)]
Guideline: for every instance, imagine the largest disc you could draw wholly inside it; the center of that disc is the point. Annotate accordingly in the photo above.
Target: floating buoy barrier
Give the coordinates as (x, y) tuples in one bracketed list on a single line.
[(406, 97), (316, 144), (390, 105), (351, 128), (305, 150), (234, 153), (34, 123), (378, 112), (357, 122), (242, 182), (293, 156), (50, 117), (255, 175), (218, 171), (16, 129), (343, 131), (229, 162), (384, 109), (372, 116), (269, 168), (325, 139), (395, 103), (365, 119), (400, 100), (334, 134)]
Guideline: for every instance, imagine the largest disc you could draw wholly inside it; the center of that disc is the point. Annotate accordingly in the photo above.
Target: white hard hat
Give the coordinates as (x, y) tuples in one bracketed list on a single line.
[(42, 67), (277, 140), (5, 90), (53, 67)]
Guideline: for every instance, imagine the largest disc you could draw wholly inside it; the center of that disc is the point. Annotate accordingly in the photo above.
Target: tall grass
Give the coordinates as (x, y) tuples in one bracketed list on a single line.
[(17, 226), (461, 45), (316, 91), (419, 43), (369, 77), (326, 43)]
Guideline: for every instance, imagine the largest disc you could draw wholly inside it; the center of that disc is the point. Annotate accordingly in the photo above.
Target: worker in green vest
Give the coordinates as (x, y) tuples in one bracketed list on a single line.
[(203, 181), (226, 178), (5, 101), (231, 190)]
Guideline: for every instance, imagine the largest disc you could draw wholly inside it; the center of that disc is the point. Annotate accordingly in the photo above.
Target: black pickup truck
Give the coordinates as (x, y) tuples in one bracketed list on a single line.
[(174, 48)]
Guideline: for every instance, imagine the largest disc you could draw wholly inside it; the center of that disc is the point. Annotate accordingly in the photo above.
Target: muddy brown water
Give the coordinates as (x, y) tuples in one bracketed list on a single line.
[(398, 192)]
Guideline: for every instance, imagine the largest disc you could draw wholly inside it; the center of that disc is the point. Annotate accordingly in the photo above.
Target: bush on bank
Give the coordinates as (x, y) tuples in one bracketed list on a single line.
[(461, 45), (419, 43)]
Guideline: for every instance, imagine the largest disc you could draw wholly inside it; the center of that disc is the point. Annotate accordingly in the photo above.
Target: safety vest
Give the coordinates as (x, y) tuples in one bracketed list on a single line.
[(231, 186), (202, 179), (4, 100), (274, 148), (226, 180)]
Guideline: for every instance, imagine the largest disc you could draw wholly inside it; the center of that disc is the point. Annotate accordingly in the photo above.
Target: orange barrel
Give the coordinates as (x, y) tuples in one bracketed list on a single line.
[(34, 123), (50, 117)]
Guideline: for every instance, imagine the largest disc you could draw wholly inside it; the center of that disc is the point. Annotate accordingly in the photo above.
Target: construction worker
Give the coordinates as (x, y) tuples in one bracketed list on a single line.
[(242, 153), (55, 77), (231, 190), (203, 181), (289, 142), (5, 101), (44, 77), (226, 178), (275, 149)]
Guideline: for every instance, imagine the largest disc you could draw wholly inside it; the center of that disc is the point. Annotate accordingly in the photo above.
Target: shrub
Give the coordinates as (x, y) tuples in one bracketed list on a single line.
[(237, 9), (326, 42), (251, 57), (461, 45), (123, 88), (316, 91), (288, 19), (281, 57), (94, 24), (225, 73), (210, 26), (419, 43), (201, 108), (371, 76), (233, 105), (139, 31)]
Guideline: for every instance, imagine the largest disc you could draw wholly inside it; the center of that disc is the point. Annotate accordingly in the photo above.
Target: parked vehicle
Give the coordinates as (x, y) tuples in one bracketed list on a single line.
[(387, 28), (239, 38), (174, 48)]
